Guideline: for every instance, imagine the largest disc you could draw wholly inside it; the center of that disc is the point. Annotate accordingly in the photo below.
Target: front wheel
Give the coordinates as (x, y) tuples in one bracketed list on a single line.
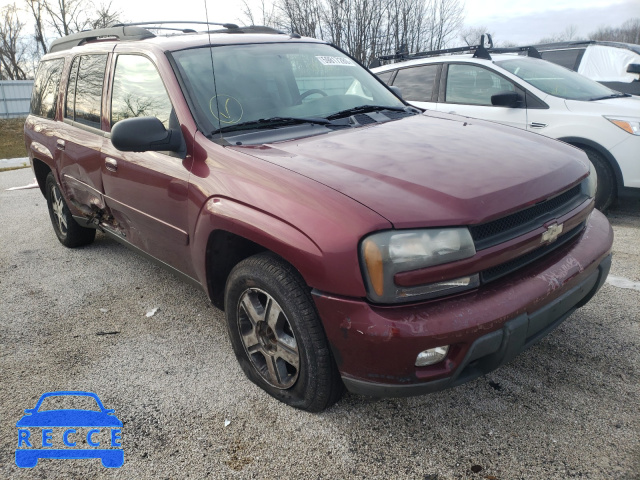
[(277, 336), (606, 191), (70, 233)]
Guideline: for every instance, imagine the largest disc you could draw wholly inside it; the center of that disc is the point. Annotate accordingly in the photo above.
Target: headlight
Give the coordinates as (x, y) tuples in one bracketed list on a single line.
[(629, 125), (384, 254), (590, 184)]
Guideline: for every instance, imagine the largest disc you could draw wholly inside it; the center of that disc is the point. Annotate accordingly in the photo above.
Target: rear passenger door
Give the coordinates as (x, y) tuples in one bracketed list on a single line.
[(80, 136), (418, 85), (146, 192), (468, 89)]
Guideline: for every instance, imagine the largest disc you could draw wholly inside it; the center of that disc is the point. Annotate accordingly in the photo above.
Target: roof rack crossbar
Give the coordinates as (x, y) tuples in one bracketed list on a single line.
[(189, 22), (479, 51)]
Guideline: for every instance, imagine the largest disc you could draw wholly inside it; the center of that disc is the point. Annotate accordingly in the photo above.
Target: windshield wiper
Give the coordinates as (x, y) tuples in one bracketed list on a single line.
[(613, 95), (272, 122), (364, 109)]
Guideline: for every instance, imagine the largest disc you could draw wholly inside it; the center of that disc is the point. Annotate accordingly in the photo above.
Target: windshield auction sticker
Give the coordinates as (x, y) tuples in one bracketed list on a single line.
[(335, 61), (47, 431)]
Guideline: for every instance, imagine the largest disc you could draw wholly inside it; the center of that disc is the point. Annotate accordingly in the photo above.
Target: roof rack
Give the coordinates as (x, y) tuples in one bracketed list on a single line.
[(585, 43), (134, 31), (111, 33), (479, 51)]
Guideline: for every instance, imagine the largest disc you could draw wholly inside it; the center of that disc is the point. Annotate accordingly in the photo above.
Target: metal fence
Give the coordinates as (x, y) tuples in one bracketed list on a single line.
[(15, 96)]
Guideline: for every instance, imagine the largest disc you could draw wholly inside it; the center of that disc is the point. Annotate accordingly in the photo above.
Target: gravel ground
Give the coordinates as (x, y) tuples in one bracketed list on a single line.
[(75, 320)]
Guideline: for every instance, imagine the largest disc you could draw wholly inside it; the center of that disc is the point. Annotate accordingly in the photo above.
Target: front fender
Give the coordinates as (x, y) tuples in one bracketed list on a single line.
[(272, 233)]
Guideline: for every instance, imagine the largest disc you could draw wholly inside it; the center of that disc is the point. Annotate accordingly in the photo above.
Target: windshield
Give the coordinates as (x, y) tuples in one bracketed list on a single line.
[(306, 81), (556, 80)]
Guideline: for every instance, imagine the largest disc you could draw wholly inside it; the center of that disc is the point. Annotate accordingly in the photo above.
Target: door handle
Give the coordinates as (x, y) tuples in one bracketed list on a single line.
[(537, 125), (110, 164), (60, 144)]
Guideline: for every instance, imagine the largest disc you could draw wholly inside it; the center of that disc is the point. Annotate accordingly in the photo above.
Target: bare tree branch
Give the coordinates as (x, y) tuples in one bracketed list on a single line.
[(12, 47)]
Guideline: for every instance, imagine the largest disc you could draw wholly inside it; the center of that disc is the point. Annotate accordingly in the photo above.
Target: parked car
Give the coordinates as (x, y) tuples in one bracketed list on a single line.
[(614, 64), (349, 239), (534, 95)]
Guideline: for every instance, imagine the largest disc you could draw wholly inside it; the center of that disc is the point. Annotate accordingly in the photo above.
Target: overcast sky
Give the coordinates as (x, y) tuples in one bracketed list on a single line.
[(518, 21)]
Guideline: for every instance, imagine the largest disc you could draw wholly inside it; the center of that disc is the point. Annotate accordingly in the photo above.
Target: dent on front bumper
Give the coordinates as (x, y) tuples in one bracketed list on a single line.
[(376, 347)]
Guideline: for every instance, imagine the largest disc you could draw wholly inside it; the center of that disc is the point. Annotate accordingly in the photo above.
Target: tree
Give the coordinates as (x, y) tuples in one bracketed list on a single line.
[(471, 35), (268, 16), (37, 9), (568, 34), (105, 17), (12, 47), (67, 16), (369, 28), (628, 32), (445, 18)]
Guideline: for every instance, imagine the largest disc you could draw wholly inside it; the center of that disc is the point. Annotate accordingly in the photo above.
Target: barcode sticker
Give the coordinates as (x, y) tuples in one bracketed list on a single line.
[(335, 61)]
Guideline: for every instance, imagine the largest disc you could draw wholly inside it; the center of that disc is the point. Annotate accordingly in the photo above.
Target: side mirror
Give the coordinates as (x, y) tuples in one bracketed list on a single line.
[(506, 99), (396, 91), (143, 134), (633, 68)]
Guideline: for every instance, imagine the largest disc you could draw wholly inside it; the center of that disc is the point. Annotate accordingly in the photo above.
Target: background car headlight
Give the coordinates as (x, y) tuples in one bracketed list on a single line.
[(629, 125), (384, 254)]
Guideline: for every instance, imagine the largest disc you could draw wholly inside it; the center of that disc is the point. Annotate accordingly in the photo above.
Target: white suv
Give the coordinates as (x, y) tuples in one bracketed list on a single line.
[(535, 95)]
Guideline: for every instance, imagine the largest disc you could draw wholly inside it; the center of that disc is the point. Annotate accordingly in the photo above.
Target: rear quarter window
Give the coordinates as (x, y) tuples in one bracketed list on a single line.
[(45, 88), (385, 76), (569, 58), (416, 83)]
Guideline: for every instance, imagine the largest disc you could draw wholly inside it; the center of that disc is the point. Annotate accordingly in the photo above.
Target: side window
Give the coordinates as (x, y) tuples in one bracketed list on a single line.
[(69, 105), (45, 88), (385, 76), (416, 83), (138, 91), (84, 92), (473, 85)]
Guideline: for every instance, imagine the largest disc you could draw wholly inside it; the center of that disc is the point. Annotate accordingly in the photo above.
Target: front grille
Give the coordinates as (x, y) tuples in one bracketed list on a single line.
[(516, 224), (498, 271)]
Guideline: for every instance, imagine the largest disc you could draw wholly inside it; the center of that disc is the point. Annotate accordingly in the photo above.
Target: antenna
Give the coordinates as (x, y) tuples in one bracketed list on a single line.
[(213, 72)]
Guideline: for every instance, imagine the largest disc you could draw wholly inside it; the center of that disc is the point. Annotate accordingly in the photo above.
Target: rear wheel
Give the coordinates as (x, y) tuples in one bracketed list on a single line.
[(277, 336), (606, 192), (69, 232)]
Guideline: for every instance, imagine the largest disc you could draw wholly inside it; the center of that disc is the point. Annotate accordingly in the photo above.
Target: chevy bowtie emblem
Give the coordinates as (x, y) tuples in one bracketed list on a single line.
[(552, 233)]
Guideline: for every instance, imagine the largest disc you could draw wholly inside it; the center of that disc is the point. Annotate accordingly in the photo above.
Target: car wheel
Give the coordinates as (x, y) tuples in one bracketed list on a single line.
[(606, 192), (69, 232), (277, 336)]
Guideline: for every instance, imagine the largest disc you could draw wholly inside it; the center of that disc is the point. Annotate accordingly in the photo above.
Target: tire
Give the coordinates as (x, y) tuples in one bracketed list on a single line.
[(606, 192), (70, 233), (277, 336)]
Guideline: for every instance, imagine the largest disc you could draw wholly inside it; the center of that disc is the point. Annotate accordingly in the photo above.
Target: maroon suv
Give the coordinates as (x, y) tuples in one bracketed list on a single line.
[(351, 240)]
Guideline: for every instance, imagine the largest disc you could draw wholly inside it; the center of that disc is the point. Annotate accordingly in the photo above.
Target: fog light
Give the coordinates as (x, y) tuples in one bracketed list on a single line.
[(431, 356)]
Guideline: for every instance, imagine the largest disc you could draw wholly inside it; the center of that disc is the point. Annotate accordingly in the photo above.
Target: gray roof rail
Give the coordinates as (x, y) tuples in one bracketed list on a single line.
[(111, 33)]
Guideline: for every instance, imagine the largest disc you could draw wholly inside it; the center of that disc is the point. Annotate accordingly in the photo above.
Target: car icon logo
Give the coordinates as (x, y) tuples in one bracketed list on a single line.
[(63, 433)]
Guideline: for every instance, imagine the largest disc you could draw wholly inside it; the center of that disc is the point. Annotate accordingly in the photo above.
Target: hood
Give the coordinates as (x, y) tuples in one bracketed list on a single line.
[(624, 106), (433, 169)]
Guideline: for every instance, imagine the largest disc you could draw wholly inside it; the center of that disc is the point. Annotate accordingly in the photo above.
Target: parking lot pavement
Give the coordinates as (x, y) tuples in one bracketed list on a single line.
[(76, 320)]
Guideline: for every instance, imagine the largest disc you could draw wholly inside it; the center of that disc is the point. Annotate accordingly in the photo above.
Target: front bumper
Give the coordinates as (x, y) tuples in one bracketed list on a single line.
[(376, 347)]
